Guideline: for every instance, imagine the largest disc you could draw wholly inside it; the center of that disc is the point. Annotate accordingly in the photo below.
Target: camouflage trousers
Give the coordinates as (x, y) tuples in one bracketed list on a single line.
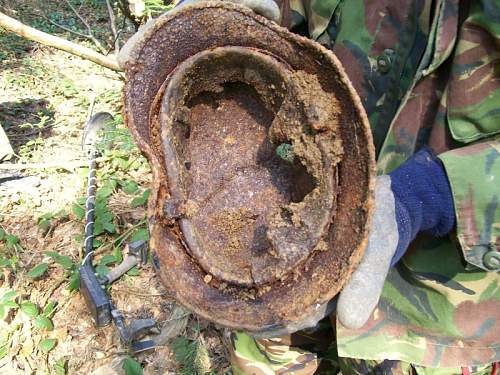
[(314, 352)]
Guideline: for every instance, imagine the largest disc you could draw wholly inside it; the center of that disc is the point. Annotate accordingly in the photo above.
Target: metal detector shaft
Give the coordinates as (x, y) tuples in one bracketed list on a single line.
[(97, 299), (90, 208)]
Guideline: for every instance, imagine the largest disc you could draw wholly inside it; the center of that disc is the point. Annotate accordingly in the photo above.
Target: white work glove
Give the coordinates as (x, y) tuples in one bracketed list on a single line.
[(360, 296), (266, 8)]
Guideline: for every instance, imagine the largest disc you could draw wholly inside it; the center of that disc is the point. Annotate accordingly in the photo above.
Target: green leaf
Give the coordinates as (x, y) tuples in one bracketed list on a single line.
[(47, 345), (109, 227), (44, 224), (98, 228), (65, 261), (3, 350), (11, 240), (2, 312), (4, 262), (139, 201), (107, 259), (49, 309), (74, 281), (101, 270), (104, 215), (60, 367), (8, 296), (78, 211), (38, 270), (101, 206), (46, 216), (29, 308), (2, 234), (140, 234), (104, 192), (42, 322), (112, 182), (117, 253), (132, 367), (130, 187), (10, 304), (120, 163), (134, 271), (81, 201)]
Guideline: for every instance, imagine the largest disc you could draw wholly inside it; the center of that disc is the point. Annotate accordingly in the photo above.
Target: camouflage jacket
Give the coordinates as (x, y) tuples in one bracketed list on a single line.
[(428, 73)]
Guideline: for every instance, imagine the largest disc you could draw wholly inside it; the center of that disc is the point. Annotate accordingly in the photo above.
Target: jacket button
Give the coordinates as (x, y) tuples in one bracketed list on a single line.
[(491, 260), (384, 61)]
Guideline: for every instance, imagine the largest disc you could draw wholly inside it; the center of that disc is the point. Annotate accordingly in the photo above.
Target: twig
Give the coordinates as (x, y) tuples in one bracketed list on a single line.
[(86, 36), (52, 289), (91, 108), (133, 292), (89, 29), (13, 25), (112, 26)]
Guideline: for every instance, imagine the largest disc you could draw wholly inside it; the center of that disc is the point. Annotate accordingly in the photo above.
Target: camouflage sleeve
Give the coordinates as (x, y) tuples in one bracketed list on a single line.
[(315, 14), (472, 100), (474, 175)]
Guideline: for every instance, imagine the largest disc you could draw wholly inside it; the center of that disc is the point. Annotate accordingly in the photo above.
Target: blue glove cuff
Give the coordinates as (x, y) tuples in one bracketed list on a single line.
[(423, 199)]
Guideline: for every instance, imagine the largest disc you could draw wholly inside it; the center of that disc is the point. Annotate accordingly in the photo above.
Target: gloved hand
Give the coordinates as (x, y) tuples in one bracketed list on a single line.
[(413, 198), (266, 8)]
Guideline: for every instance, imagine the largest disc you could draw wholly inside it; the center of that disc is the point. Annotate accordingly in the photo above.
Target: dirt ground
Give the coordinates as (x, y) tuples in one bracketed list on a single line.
[(45, 98)]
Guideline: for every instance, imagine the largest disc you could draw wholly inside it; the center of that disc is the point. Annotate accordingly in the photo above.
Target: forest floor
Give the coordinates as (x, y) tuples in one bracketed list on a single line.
[(46, 97)]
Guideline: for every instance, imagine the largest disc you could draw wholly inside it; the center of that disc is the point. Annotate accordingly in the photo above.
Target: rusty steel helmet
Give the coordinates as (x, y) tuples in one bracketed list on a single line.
[(262, 165)]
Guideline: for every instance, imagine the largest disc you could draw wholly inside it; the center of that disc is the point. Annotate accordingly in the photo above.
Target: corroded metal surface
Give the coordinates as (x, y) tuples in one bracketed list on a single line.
[(243, 237)]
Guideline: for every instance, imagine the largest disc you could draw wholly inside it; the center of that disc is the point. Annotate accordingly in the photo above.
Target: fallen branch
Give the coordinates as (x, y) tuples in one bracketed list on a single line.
[(13, 25)]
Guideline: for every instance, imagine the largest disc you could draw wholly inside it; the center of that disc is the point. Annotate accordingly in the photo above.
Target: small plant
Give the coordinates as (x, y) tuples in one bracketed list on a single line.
[(12, 46), (40, 320), (7, 302), (26, 150), (192, 356), (9, 248), (60, 366), (11, 242), (132, 367), (46, 221)]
